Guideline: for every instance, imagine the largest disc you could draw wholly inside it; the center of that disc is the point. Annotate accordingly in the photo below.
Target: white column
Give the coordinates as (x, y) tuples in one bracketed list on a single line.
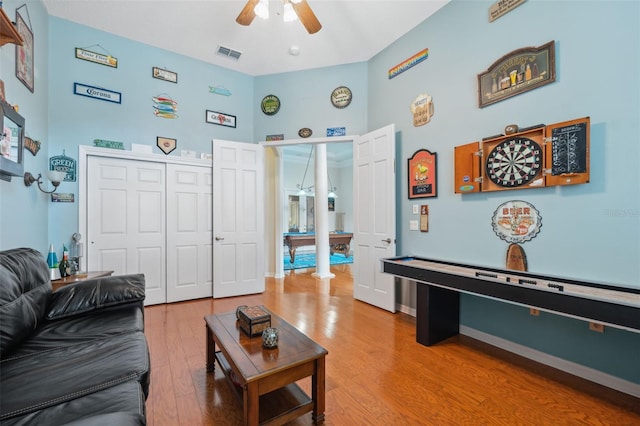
[(322, 213)]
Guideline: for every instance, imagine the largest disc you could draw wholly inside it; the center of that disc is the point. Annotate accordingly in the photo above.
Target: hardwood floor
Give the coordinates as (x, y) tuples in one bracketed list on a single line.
[(376, 372)]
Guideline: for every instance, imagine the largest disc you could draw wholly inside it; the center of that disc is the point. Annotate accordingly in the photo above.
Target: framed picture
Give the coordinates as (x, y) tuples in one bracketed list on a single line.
[(517, 72), (165, 75), (422, 171), (220, 119), (166, 145), (332, 204), (24, 53)]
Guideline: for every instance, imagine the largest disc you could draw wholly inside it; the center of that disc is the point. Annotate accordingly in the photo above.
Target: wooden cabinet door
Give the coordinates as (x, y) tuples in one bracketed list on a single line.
[(567, 152), (467, 168)]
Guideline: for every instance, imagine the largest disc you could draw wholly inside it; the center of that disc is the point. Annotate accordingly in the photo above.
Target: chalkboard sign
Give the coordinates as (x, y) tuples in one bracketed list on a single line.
[(569, 151)]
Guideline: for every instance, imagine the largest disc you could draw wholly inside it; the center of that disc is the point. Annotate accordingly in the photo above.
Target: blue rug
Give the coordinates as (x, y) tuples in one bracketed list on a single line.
[(308, 260)]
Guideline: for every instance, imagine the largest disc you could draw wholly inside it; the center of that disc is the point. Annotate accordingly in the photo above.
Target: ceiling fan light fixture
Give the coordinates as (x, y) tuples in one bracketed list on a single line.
[(289, 14), (262, 9)]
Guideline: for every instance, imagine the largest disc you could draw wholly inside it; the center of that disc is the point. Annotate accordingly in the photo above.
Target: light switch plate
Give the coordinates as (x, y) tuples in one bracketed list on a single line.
[(416, 209), (413, 225)]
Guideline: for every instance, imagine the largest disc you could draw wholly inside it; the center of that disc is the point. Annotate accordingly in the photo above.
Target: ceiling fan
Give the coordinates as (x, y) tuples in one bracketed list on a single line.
[(300, 7)]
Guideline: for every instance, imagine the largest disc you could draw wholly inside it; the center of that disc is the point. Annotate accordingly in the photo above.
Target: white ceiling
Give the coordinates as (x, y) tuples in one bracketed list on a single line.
[(352, 30)]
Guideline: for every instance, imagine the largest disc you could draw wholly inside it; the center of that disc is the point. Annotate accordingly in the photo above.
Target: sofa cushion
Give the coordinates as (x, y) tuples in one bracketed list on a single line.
[(25, 290), (43, 379), (120, 405), (98, 293), (82, 328)]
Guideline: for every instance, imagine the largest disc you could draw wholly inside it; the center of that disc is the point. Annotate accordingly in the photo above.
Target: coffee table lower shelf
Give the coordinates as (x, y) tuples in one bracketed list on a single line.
[(277, 407)]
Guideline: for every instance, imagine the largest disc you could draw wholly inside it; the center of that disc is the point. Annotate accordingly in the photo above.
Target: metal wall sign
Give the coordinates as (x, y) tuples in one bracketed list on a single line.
[(270, 105), (516, 221), (408, 63), (64, 164), (97, 93)]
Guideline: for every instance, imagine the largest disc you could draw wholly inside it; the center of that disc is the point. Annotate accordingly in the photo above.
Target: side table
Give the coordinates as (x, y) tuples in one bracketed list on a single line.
[(61, 282)]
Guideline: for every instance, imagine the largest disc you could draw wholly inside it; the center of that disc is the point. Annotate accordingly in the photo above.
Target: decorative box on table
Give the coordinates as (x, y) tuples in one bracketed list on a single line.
[(254, 320)]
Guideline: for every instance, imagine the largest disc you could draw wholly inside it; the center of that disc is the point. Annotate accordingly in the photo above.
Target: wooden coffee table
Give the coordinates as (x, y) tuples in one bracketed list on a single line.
[(265, 378)]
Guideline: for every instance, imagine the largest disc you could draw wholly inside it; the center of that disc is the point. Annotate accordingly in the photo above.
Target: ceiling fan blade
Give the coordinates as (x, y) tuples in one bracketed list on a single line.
[(247, 14), (307, 17)]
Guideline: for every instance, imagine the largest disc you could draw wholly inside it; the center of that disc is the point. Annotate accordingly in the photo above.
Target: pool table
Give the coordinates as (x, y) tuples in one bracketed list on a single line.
[(338, 242)]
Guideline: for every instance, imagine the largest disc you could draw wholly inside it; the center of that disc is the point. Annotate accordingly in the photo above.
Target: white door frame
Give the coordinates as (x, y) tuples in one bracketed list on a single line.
[(277, 246)]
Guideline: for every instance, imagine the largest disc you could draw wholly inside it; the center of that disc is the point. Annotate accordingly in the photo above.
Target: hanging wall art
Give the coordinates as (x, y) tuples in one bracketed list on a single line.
[(164, 106), (24, 53)]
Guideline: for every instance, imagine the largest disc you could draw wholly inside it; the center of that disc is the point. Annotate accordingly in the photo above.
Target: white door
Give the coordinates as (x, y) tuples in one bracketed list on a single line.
[(238, 218), (189, 232), (126, 221), (375, 216)]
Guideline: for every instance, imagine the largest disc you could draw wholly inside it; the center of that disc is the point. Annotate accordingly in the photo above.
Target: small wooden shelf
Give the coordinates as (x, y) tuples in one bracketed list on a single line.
[(61, 282), (276, 407), (8, 32)]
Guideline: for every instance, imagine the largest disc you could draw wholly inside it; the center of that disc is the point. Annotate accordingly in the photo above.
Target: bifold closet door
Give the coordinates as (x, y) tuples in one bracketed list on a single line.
[(126, 220), (189, 232)]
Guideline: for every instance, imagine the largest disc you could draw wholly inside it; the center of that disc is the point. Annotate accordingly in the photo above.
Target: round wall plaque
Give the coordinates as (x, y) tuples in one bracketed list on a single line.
[(516, 221), (341, 97), (270, 105), (305, 132)]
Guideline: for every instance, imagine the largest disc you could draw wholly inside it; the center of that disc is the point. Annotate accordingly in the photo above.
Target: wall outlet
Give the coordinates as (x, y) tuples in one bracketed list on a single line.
[(413, 225), (594, 326)]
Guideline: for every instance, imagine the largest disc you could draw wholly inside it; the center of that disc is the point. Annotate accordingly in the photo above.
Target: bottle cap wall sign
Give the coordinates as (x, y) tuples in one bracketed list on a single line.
[(270, 105), (516, 221), (341, 97)]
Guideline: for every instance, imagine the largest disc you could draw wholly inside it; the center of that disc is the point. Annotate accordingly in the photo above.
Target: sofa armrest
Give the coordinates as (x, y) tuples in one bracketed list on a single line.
[(98, 293)]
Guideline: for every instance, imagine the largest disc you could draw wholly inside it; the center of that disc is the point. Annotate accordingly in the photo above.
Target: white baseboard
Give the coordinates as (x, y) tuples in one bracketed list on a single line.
[(578, 370), (406, 309)]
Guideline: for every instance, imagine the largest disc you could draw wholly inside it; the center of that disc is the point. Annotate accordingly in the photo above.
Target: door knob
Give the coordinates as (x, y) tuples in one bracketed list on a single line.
[(388, 241), (219, 239)]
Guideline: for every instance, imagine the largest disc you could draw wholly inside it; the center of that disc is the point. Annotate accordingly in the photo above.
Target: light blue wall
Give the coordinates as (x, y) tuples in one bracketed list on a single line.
[(590, 231), (77, 120), (305, 100), (24, 211)]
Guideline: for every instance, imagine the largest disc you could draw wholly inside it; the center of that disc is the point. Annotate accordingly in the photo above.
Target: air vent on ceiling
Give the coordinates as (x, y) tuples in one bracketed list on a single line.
[(228, 52)]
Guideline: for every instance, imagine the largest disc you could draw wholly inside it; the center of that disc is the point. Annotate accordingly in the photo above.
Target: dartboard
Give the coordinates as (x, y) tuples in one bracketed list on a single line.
[(514, 162)]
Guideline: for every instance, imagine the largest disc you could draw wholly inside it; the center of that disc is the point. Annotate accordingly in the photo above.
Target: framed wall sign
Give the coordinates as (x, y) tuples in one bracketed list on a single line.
[(166, 75), (517, 72), (422, 171), (97, 93), (220, 119), (24, 53), (271, 138), (97, 58)]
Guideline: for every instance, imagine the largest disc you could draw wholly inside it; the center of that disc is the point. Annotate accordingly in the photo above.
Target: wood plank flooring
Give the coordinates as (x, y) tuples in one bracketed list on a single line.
[(376, 372)]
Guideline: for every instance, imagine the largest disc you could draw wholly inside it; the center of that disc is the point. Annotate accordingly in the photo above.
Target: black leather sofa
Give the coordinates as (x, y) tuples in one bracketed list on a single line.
[(76, 356)]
